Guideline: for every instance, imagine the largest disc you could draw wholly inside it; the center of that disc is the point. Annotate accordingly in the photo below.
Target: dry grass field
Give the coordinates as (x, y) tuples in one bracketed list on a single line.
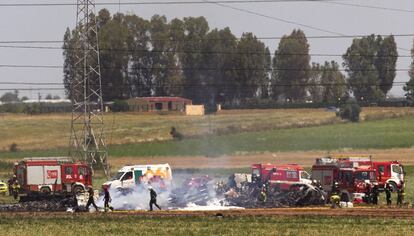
[(45, 132)]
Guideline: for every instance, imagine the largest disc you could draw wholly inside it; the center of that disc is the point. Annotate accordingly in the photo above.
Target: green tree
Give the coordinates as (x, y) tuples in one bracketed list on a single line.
[(291, 67), (385, 63), (265, 89), (10, 97), (333, 83), (69, 61), (218, 52), (409, 86), (195, 30), (140, 81), (251, 66), (370, 63), (315, 87), (114, 57)]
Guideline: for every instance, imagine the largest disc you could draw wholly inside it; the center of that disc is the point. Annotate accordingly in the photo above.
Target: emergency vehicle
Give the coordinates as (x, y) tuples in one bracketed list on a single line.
[(130, 176), (391, 172), (353, 181), (282, 176), (52, 175)]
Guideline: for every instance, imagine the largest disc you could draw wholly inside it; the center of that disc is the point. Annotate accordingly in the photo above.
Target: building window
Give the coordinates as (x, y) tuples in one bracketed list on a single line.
[(158, 106)]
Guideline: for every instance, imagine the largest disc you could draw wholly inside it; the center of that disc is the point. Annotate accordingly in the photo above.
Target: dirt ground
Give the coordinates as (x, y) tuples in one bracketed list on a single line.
[(405, 155), (275, 212)]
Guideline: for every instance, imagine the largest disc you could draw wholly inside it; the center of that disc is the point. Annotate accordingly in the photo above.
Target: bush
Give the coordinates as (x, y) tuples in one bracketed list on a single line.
[(12, 108), (350, 111), (13, 147), (32, 109), (120, 106)]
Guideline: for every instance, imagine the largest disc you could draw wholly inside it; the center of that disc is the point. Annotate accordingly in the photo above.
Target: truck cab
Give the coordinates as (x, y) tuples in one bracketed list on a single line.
[(390, 172), (353, 180)]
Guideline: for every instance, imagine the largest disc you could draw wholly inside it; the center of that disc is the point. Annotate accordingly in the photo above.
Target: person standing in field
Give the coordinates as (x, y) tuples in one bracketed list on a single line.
[(91, 199), (107, 199), (388, 194), (400, 197), (374, 194), (153, 198)]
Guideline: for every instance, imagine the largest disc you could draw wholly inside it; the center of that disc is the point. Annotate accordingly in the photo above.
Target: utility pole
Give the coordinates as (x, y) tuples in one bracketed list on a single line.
[(87, 140)]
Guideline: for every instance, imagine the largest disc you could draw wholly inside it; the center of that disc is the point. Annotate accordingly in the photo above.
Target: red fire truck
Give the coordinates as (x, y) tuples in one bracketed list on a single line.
[(282, 176), (52, 175), (391, 172), (353, 181)]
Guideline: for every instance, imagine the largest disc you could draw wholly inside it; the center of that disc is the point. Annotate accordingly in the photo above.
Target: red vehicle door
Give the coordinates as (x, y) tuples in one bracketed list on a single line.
[(68, 173), (83, 174)]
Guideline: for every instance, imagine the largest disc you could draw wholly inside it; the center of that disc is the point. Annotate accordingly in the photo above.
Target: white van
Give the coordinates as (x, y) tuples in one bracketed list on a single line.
[(130, 176)]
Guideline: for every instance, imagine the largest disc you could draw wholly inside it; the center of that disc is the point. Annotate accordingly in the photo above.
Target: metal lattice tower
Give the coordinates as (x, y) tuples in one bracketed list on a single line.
[(87, 140)]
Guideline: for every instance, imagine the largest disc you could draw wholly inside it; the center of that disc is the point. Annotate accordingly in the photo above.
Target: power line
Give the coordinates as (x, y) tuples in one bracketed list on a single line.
[(65, 4), (144, 51), (369, 6), (191, 68), (274, 18), (195, 86), (220, 39)]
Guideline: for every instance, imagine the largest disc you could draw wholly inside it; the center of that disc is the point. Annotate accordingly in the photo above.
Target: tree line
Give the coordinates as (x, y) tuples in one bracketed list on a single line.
[(184, 57)]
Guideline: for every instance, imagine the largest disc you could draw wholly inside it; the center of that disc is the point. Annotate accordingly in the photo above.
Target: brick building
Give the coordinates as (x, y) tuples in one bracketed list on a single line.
[(150, 104)]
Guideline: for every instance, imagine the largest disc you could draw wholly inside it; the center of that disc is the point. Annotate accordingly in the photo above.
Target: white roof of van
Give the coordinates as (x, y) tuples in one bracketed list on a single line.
[(152, 166)]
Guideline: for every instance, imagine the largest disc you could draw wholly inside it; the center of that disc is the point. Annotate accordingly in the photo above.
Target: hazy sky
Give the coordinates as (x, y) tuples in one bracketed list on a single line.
[(49, 23)]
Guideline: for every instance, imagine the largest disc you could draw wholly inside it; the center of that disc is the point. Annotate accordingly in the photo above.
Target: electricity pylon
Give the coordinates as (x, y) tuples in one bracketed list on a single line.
[(87, 140)]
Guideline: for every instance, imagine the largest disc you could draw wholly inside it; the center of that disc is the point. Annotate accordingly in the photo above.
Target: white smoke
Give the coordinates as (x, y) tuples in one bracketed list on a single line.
[(213, 205), (137, 198)]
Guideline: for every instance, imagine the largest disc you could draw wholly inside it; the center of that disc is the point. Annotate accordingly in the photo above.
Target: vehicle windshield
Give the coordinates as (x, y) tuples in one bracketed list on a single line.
[(256, 172), (118, 175), (304, 175), (397, 169), (363, 175)]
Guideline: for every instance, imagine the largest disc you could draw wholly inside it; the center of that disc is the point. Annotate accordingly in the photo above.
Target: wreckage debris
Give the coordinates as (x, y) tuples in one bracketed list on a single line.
[(298, 195), (198, 190), (49, 205)]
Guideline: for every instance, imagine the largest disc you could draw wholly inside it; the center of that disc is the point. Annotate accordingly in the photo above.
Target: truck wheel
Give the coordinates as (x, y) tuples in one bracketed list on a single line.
[(45, 190), (77, 189), (393, 186)]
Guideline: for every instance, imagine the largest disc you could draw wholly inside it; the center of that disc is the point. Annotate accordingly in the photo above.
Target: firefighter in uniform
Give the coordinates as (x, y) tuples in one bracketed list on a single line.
[(335, 198), (400, 197), (107, 199), (10, 183), (153, 198), (91, 199), (16, 189), (374, 194), (388, 194), (263, 195)]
